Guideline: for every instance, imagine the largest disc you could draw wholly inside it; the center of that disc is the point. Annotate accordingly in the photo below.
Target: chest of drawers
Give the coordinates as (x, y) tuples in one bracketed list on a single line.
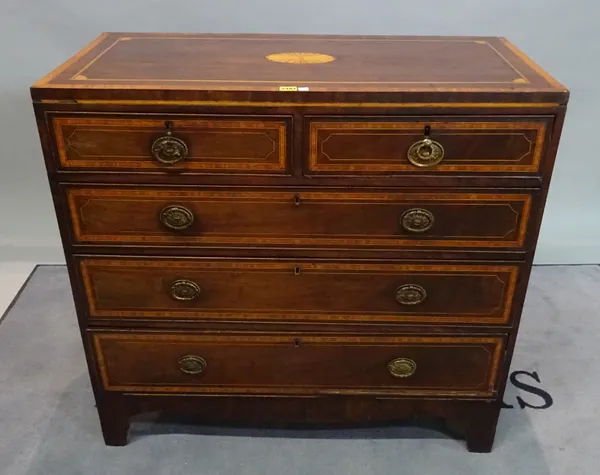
[(299, 230)]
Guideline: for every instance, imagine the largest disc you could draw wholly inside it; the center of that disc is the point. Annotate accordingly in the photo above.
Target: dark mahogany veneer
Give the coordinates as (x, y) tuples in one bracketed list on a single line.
[(307, 230)]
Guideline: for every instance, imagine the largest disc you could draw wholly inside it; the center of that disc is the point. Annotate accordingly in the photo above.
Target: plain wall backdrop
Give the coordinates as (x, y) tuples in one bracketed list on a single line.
[(562, 36)]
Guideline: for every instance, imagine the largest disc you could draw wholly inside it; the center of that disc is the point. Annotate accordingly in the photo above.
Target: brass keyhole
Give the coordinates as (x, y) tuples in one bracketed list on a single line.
[(296, 200), (297, 342), (296, 270)]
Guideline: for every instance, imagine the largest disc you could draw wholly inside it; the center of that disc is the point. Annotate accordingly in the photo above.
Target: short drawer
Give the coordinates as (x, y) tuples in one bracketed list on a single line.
[(289, 218), (210, 144), (298, 291), (347, 146), (299, 364)]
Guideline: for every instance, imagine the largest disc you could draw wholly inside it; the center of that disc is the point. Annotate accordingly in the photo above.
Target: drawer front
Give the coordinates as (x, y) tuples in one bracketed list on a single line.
[(209, 145), (299, 364), (292, 219), (339, 146), (298, 291)]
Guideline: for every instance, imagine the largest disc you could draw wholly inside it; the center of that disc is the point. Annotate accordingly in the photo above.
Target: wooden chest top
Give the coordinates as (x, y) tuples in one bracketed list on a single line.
[(292, 68)]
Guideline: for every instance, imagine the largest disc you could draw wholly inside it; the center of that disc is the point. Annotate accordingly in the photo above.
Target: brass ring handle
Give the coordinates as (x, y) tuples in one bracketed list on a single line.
[(184, 289), (417, 220), (169, 150), (410, 294), (425, 153), (191, 364), (176, 217), (402, 367)]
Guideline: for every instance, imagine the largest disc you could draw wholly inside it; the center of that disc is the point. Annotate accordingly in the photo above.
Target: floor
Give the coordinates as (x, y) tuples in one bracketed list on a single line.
[(550, 424), (12, 277)]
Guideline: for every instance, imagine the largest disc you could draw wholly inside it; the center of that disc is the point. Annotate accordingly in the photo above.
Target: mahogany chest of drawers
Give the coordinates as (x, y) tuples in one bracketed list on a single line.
[(299, 230)]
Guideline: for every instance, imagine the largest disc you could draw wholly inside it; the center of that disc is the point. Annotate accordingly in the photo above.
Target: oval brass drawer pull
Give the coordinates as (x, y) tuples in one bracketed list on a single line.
[(410, 294), (191, 364), (425, 153), (402, 367), (417, 220), (169, 150), (184, 289), (176, 217)]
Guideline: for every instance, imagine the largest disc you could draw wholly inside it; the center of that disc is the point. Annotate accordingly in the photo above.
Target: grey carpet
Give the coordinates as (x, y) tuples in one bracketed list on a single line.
[(48, 423)]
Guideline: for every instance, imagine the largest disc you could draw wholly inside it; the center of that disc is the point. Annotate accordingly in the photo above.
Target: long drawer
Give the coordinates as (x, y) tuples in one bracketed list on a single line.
[(164, 216), (317, 291), (299, 364)]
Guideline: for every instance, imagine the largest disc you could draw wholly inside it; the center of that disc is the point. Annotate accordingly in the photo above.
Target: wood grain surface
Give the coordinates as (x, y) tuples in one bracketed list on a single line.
[(299, 291), (215, 144), (299, 364), (469, 145), (293, 219), (155, 60), (300, 274)]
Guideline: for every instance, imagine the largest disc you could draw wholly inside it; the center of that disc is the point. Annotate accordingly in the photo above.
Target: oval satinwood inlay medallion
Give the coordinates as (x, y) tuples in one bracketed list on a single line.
[(301, 58)]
